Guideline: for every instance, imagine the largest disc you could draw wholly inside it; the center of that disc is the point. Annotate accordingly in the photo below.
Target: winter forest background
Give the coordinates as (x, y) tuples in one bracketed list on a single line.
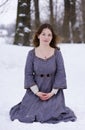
[(66, 16), (18, 22)]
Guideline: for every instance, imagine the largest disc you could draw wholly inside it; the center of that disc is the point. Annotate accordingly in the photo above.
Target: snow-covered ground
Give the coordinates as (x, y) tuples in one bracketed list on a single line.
[(12, 62)]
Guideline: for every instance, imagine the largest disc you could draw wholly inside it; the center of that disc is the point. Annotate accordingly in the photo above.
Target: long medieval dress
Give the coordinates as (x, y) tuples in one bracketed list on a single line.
[(47, 74)]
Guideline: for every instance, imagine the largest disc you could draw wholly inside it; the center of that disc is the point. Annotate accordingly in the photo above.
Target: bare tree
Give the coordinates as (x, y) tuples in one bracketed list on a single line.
[(65, 28), (70, 29), (37, 15), (51, 11), (3, 3), (23, 23), (83, 17), (74, 25)]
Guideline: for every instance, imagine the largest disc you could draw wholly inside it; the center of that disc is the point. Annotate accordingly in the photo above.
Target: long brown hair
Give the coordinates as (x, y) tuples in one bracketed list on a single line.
[(54, 40)]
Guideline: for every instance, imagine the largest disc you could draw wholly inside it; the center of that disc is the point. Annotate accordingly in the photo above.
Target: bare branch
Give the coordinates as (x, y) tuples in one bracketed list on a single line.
[(4, 3)]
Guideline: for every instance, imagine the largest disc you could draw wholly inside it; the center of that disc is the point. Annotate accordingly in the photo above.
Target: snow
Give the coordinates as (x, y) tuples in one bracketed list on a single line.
[(20, 24), (26, 30), (12, 62), (21, 34), (3, 32), (8, 11), (22, 15), (24, 4)]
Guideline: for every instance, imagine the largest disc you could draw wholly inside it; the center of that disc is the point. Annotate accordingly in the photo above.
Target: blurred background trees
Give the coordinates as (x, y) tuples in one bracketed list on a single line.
[(66, 16)]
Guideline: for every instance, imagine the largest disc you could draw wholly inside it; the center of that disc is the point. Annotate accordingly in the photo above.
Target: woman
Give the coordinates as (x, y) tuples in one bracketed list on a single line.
[(45, 80)]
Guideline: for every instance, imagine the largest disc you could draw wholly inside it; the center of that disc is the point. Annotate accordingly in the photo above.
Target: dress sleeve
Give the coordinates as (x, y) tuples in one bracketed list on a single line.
[(29, 80), (60, 75)]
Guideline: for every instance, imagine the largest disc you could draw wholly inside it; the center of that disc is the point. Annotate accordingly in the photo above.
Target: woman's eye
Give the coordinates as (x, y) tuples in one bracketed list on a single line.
[(49, 35), (43, 34)]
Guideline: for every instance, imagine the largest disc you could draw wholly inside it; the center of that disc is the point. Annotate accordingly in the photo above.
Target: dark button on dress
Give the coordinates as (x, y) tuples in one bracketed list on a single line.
[(47, 74)]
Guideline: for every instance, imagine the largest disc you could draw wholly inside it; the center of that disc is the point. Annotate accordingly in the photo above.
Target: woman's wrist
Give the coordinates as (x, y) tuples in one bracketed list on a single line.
[(54, 91), (34, 89)]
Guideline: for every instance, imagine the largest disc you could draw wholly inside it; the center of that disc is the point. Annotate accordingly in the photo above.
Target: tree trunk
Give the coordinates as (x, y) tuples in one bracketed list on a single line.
[(51, 12), (83, 17), (74, 25), (65, 28), (37, 16), (23, 23), (70, 30)]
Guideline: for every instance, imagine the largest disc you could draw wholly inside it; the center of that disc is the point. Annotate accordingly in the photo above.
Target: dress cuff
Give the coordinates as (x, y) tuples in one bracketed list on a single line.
[(34, 89), (54, 91)]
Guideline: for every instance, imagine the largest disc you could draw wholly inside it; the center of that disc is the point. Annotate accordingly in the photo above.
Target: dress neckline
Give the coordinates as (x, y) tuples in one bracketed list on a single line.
[(44, 58)]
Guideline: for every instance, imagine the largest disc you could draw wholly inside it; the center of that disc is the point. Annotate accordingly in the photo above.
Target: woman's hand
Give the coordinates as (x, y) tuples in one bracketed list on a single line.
[(44, 96), (49, 95), (41, 95)]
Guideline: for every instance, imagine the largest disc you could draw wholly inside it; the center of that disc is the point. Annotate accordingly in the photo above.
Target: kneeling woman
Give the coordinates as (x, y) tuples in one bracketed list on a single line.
[(45, 80)]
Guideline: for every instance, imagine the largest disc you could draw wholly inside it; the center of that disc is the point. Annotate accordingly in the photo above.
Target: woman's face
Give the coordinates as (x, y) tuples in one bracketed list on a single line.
[(45, 37)]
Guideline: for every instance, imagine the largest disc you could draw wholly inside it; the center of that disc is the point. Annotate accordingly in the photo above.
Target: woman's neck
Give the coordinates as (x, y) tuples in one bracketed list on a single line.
[(44, 52), (42, 47)]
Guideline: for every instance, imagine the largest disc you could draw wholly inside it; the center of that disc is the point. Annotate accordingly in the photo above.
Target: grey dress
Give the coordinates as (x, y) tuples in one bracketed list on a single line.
[(47, 74)]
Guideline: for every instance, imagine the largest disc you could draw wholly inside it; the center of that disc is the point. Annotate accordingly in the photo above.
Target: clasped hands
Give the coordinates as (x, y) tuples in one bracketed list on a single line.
[(44, 96)]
